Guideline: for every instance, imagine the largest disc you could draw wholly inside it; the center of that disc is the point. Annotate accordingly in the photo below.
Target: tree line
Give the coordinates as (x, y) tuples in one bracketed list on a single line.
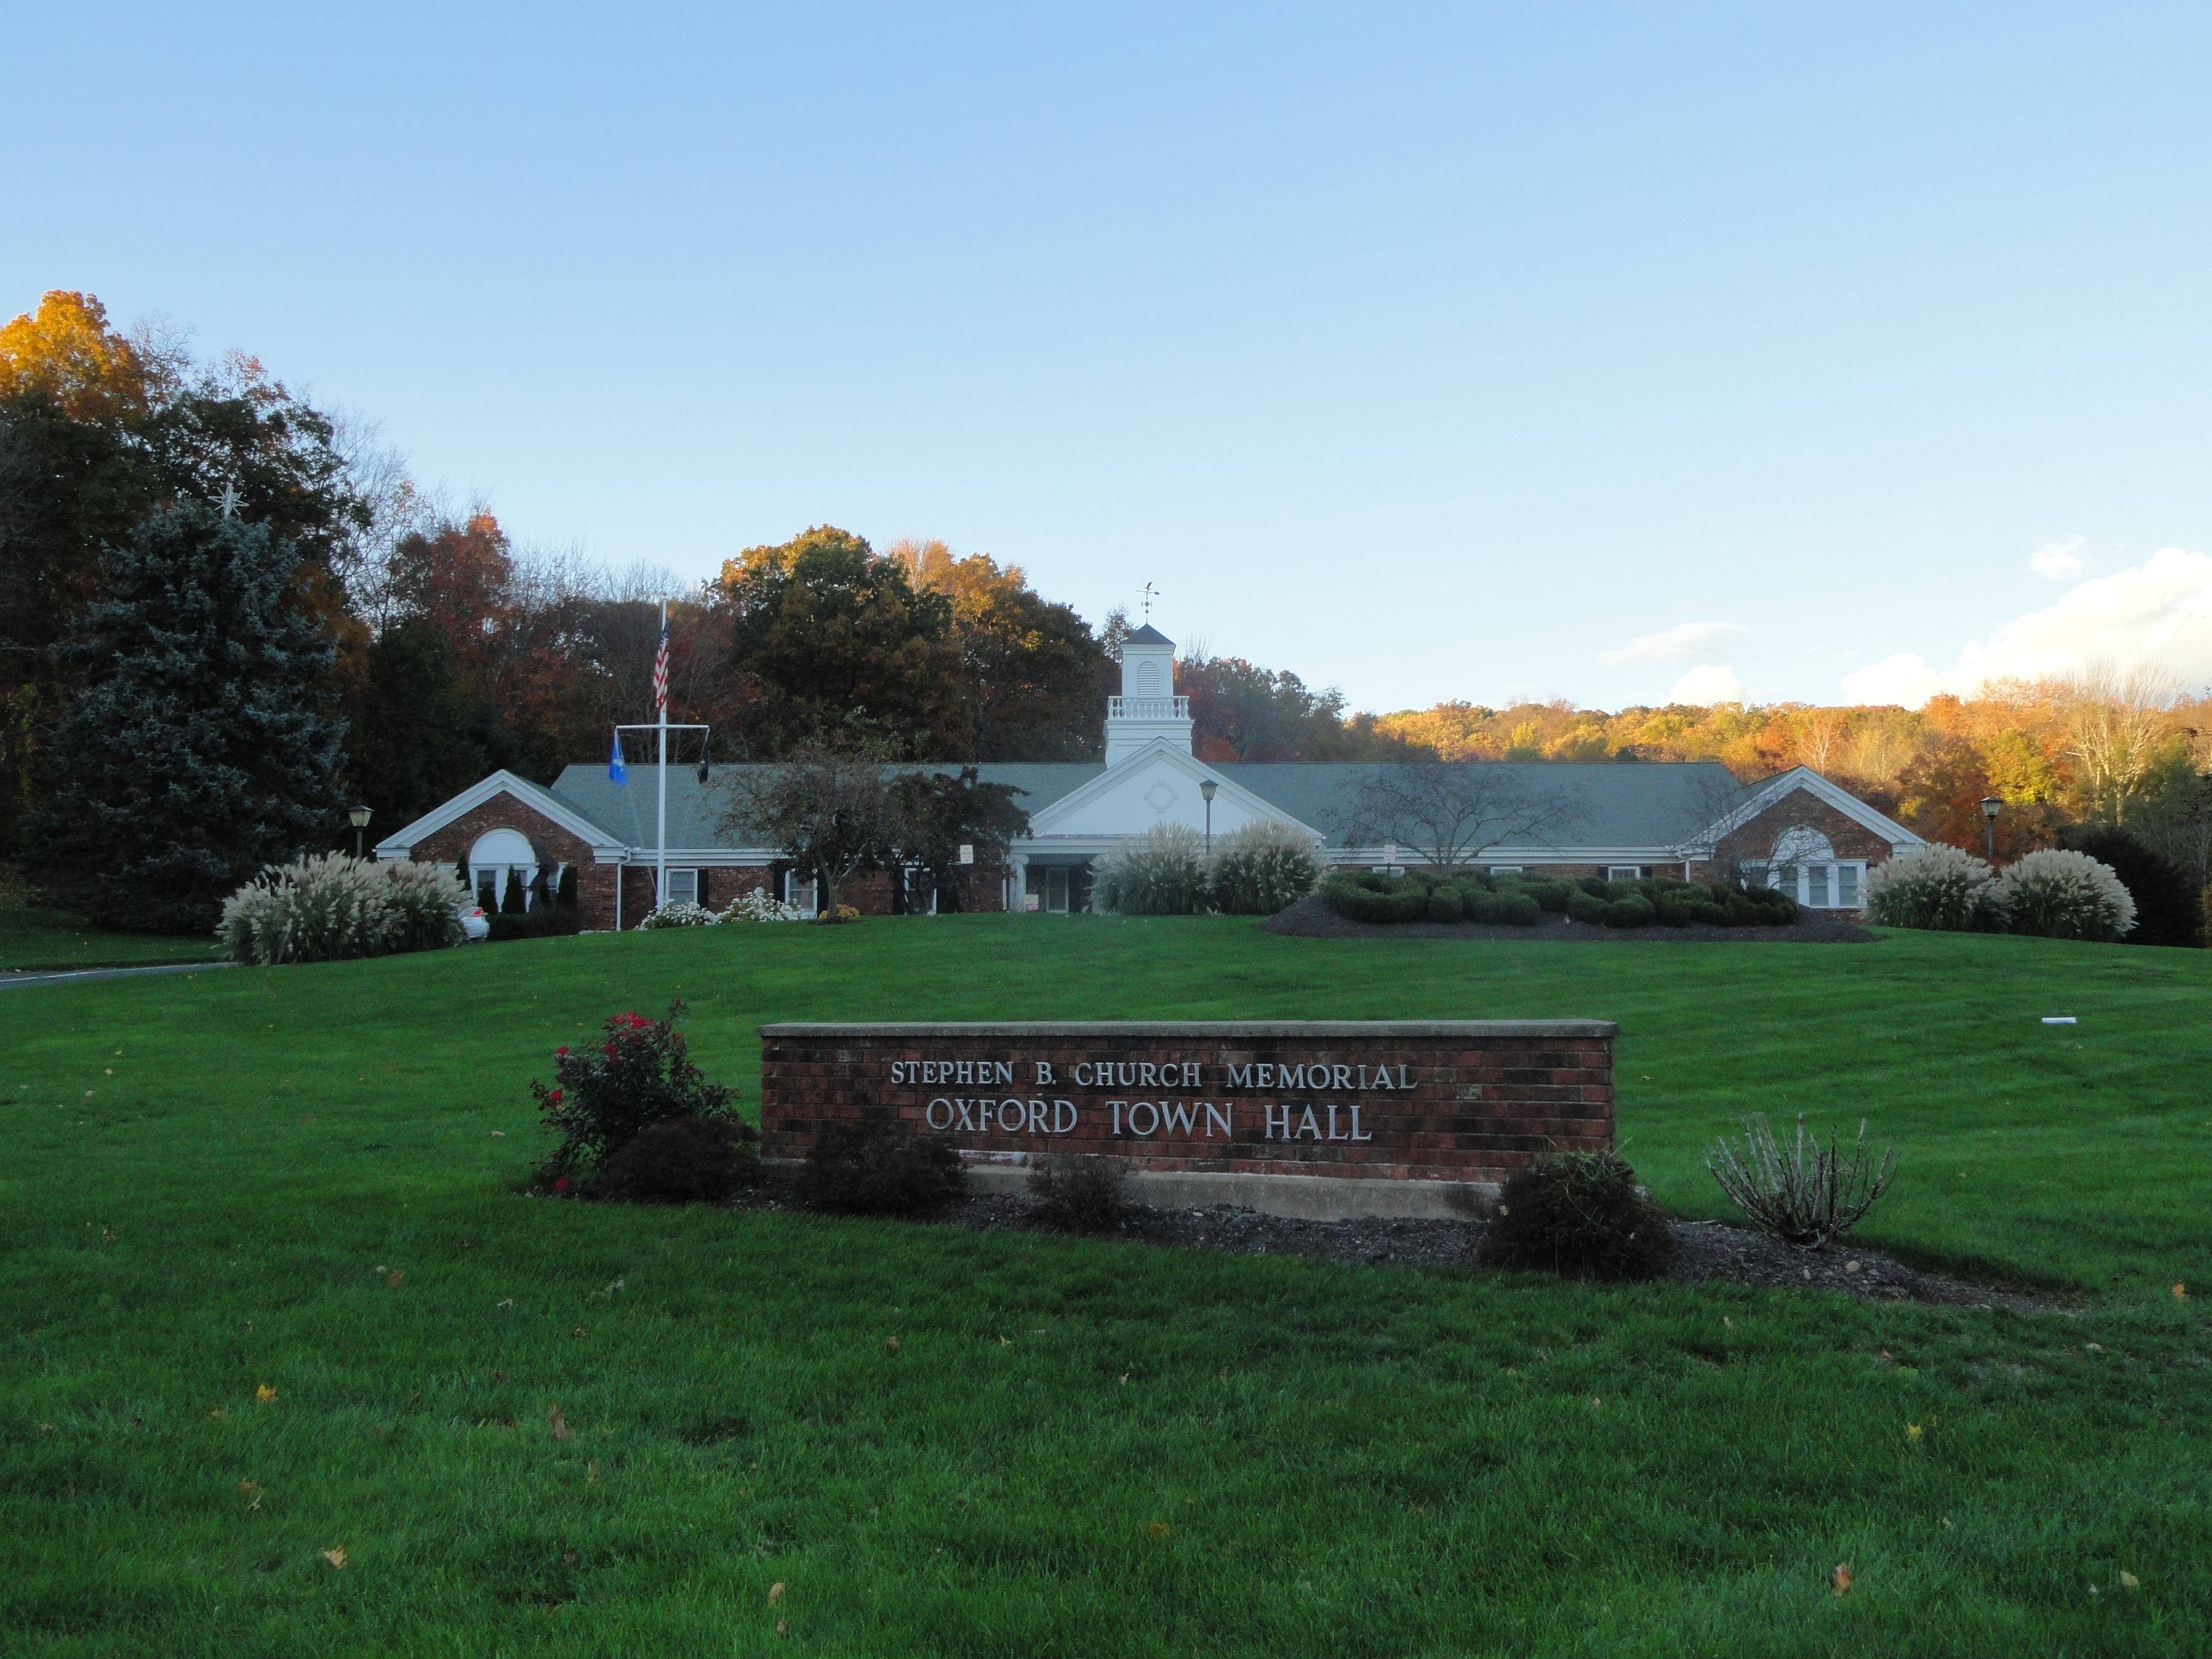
[(227, 616)]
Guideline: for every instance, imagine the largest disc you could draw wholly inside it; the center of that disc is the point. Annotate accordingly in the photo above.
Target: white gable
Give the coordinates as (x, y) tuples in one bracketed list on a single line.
[(1157, 785)]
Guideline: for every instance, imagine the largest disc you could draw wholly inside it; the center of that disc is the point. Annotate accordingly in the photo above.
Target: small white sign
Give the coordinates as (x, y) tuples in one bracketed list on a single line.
[(2058, 1019), (967, 852)]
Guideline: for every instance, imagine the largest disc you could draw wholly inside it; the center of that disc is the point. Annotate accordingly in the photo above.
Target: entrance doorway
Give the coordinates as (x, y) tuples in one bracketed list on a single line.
[(1055, 888)]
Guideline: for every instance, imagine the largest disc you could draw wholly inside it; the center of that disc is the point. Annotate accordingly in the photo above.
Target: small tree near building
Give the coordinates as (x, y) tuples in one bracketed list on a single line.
[(200, 751), (832, 810), (1447, 814), (937, 814)]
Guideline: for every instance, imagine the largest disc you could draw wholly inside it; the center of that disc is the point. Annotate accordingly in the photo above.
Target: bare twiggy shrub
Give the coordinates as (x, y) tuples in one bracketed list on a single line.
[(1082, 1191), (1806, 1194)]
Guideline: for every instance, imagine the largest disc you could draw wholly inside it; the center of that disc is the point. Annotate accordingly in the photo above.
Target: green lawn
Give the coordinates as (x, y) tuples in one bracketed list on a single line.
[(1077, 1447), (54, 939)]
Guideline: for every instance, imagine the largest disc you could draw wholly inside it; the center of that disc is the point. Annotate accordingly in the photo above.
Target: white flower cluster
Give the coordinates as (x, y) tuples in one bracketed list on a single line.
[(757, 906), (681, 915)]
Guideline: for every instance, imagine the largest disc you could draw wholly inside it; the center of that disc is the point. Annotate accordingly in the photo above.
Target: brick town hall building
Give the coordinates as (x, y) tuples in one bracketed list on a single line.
[(1687, 818)]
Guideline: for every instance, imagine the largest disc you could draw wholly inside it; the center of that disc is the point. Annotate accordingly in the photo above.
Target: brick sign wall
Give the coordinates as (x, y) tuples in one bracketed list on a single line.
[(1438, 1101)]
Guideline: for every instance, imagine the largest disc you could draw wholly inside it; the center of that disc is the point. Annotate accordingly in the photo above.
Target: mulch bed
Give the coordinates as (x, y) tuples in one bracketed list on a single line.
[(1311, 917), (1704, 1251)]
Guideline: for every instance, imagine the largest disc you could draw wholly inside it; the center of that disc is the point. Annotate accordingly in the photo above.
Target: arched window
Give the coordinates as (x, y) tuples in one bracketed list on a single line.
[(1804, 864), (498, 857)]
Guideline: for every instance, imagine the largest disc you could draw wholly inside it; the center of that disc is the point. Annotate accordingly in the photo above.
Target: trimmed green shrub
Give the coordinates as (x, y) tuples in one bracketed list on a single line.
[(565, 897), (1505, 909), (1579, 1214), (1361, 900), (1262, 868), (1549, 894), (1161, 872), (879, 1169), (512, 903), (1445, 904), (1628, 912), (686, 1160), (1583, 905), (640, 1074), (2060, 894), (1081, 1192)]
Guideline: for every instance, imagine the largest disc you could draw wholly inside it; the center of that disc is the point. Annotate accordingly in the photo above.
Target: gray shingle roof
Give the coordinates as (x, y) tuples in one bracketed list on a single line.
[(1620, 803)]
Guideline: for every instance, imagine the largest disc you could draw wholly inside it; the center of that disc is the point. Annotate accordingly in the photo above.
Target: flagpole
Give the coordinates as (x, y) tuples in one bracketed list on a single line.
[(660, 866)]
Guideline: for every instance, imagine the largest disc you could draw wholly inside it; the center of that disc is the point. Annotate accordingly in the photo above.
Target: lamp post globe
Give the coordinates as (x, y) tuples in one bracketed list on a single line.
[(359, 816), (1990, 807)]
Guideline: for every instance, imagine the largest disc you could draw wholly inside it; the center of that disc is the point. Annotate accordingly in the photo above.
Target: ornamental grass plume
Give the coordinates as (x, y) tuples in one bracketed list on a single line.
[(2060, 894), (1936, 886), (1806, 1195), (1161, 872), (1261, 868), (331, 907)]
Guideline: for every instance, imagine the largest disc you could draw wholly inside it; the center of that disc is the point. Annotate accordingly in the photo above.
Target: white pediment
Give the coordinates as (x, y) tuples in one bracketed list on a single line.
[(1157, 785)]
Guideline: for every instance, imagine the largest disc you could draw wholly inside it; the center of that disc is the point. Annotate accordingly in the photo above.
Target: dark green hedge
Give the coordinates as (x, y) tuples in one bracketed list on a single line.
[(1522, 902)]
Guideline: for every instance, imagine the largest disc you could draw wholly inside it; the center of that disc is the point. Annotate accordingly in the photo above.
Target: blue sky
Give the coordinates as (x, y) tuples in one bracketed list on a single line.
[(1467, 352)]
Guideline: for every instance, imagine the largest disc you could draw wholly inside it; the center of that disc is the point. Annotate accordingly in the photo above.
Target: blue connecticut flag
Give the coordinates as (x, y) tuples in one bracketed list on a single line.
[(616, 772)]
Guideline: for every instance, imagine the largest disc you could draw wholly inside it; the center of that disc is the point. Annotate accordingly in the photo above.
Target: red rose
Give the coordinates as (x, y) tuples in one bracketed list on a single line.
[(562, 1050), (560, 1183), (555, 1097)]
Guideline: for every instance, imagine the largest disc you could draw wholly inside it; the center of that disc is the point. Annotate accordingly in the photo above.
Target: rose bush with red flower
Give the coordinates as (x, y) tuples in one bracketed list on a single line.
[(641, 1074)]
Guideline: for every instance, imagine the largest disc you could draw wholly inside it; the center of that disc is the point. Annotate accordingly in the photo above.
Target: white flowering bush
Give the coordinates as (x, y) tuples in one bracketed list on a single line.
[(2060, 894), (1161, 872), (760, 905), (332, 908), (1262, 867), (682, 914), (1936, 886)]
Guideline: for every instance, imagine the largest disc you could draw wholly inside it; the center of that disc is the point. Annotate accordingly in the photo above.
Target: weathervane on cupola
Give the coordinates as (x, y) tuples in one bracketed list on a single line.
[(1147, 711)]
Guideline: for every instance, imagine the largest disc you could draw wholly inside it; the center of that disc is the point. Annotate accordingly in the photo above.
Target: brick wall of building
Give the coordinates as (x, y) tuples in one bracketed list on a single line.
[(1800, 808), (1479, 1098)]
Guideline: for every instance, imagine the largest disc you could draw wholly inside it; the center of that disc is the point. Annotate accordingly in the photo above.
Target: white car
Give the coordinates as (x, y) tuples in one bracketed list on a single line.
[(475, 928)]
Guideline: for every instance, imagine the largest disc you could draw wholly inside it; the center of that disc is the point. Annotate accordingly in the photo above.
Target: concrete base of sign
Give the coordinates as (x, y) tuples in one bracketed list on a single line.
[(1307, 1198), (1303, 1197)]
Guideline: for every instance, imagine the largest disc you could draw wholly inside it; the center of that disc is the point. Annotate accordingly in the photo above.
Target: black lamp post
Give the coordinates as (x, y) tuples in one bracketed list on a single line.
[(1990, 807), (1206, 791), (360, 815)]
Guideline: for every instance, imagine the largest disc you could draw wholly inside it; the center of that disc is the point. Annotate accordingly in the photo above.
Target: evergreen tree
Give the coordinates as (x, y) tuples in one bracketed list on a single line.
[(199, 749)]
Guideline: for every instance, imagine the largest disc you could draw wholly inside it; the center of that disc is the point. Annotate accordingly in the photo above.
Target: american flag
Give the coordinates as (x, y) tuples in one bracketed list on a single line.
[(660, 670)]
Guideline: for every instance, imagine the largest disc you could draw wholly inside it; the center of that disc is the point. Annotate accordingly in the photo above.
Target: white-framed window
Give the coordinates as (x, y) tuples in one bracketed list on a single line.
[(1624, 873), (683, 888), (1828, 885), (1056, 889), (920, 894), (1504, 869), (798, 892)]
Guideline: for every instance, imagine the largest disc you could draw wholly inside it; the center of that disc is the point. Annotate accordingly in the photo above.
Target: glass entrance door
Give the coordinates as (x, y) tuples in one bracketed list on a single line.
[(1055, 890)]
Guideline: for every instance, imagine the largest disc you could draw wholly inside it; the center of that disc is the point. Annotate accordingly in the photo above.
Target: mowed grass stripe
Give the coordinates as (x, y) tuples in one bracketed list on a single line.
[(1302, 1456)]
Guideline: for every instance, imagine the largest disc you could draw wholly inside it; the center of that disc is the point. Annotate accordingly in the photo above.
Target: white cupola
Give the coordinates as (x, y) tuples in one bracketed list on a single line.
[(1148, 708)]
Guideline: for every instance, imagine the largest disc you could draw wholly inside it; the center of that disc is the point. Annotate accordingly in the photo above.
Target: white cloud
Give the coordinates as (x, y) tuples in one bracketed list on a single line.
[(2057, 560), (1707, 684), (2155, 616), (1684, 643)]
